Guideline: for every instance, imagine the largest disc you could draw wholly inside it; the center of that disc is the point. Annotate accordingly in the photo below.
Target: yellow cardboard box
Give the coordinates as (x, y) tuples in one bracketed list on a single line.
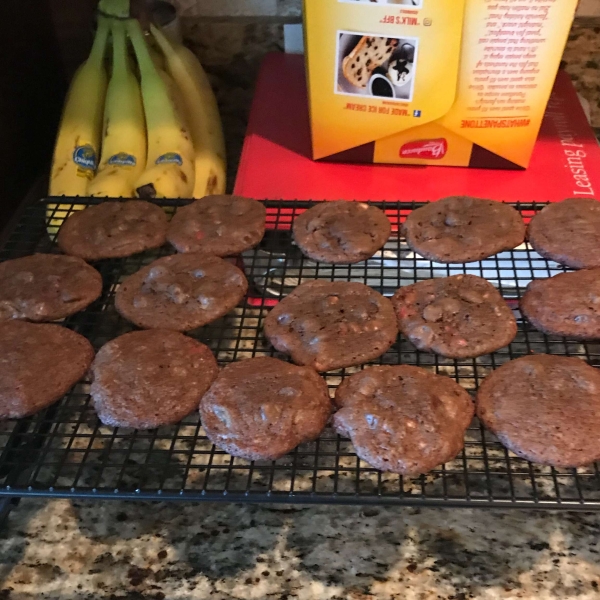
[(444, 82)]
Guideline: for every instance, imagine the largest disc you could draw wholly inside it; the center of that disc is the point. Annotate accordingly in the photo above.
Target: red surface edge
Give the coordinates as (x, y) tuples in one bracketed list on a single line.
[(276, 164)]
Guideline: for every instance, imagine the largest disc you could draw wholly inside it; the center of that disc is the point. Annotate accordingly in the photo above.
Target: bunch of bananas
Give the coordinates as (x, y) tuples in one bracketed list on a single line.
[(158, 135)]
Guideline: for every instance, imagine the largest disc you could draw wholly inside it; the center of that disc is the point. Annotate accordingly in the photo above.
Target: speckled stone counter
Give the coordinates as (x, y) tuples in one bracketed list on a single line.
[(141, 551), (582, 62), (84, 550)]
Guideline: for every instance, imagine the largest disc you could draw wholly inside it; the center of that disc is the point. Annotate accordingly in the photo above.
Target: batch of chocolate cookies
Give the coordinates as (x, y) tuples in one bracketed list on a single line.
[(403, 419)]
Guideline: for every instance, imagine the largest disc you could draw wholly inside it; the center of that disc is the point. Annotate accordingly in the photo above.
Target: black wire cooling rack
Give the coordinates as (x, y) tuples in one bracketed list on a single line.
[(65, 451)]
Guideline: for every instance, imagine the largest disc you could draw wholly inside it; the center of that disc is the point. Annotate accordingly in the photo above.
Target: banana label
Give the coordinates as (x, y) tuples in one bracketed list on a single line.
[(85, 159), (122, 159), (170, 158)]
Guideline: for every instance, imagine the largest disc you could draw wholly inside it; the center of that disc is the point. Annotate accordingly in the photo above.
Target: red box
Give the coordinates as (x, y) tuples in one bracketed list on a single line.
[(276, 164)]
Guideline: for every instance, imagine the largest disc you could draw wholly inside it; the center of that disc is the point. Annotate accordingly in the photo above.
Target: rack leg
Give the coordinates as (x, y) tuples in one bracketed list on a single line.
[(6, 505)]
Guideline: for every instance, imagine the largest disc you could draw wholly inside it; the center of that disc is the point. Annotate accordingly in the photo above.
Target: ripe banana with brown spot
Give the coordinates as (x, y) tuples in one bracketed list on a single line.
[(169, 169), (124, 145), (202, 114), (78, 141)]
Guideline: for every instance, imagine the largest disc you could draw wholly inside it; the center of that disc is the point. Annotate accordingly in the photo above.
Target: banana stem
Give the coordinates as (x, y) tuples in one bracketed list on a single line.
[(119, 9), (162, 41), (119, 49), (96, 57), (147, 68), (157, 104)]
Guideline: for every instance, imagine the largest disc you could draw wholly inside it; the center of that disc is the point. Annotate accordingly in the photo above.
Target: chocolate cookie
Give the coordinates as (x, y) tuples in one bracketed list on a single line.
[(341, 232), (181, 292), (329, 325), (39, 364), (219, 225), (145, 379), (262, 408), (460, 229), (568, 232), (113, 230), (545, 409), (403, 419), (46, 287), (458, 317), (567, 304)]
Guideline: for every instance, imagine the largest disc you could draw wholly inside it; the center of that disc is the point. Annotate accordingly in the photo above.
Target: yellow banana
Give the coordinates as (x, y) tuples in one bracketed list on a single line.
[(78, 140), (177, 101), (157, 57), (124, 147), (172, 89), (202, 113), (169, 169)]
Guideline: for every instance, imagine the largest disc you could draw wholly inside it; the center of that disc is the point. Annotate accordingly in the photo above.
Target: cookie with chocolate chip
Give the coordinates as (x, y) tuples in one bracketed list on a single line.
[(458, 317), (113, 230), (181, 292), (39, 364), (341, 232), (262, 408), (46, 287), (567, 304), (462, 229), (545, 409), (568, 232), (329, 325), (145, 379), (403, 419), (219, 225)]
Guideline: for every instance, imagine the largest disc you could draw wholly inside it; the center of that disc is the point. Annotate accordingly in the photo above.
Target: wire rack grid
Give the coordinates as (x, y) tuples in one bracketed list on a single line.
[(65, 451)]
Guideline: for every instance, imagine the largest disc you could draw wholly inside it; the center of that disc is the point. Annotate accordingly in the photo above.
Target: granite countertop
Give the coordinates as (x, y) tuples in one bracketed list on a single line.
[(142, 551), (68, 550), (582, 61)]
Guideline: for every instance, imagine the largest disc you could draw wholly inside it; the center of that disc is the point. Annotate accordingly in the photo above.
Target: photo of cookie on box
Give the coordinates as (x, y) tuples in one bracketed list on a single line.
[(376, 66)]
